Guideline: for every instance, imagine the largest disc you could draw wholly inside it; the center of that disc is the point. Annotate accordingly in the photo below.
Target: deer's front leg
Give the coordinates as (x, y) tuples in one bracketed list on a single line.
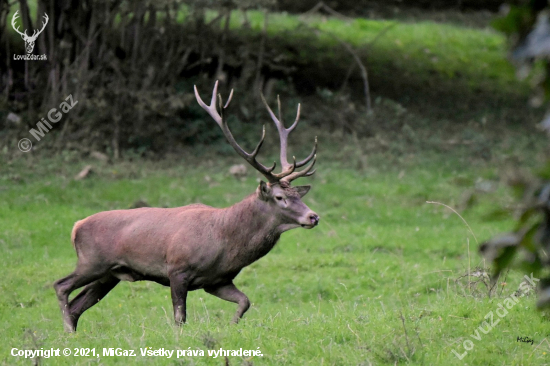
[(231, 293), (178, 289)]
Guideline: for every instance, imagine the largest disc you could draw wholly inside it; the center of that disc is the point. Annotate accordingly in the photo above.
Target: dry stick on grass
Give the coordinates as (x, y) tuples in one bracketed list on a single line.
[(364, 73), (469, 267), (380, 34), (322, 6), (471, 231), (246, 23), (545, 339), (346, 78), (406, 334), (418, 336), (479, 274), (215, 20), (363, 69), (504, 282), (357, 335), (374, 40), (462, 218), (35, 344)]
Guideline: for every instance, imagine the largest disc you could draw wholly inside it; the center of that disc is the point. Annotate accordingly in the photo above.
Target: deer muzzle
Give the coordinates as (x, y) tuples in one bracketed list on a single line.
[(312, 220)]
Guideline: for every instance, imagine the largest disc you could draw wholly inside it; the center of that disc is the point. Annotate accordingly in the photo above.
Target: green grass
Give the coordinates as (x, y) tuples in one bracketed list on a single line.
[(449, 51), (329, 296)]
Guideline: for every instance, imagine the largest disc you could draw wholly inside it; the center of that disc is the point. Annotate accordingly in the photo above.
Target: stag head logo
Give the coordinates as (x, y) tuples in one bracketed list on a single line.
[(29, 40)]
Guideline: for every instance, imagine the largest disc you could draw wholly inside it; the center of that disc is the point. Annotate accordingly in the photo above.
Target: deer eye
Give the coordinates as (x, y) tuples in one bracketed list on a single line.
[(278, 198)]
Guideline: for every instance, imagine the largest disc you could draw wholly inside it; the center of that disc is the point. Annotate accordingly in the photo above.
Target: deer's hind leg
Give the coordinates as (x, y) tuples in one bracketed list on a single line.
[(68, 284), (90, 296), (230, 292)]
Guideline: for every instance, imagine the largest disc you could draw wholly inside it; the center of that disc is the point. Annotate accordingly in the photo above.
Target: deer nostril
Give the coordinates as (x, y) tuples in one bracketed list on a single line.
[(314, 219)]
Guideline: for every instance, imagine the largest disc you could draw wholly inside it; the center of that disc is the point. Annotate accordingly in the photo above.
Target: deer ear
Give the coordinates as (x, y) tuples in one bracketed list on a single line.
[(264, 191), (302, 190)]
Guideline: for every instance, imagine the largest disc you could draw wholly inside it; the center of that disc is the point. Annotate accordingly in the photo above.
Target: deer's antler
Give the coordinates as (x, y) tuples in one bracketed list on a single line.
[(288, 172), (250, 158), (15, 16), (37, 33)]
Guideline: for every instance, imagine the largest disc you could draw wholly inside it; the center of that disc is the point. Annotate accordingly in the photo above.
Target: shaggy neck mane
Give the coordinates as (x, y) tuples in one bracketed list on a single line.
[(260, 236)]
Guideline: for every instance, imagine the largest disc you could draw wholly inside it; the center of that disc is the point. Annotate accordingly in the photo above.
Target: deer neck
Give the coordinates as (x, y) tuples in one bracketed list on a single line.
[(250, 229)]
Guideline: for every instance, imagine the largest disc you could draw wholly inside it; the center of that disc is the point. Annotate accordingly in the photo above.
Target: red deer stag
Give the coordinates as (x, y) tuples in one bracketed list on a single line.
[(191, 247)]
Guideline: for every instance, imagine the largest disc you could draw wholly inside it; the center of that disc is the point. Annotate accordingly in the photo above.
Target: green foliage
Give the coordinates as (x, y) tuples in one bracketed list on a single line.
[(528, 30), (518, 20), (528, 246)]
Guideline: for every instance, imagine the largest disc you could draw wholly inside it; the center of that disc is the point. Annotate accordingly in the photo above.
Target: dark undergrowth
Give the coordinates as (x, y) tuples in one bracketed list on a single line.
[(424, 76)]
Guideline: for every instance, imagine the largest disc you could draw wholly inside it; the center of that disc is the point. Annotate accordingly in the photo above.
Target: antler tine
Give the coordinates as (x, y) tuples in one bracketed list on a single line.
[(211, 109), (288, 171), (279, 110), (225, 128), (250, 158), (302, 173), (37, 32), (291, 128), (15, 16), (283, 132), (257, 150), (259, 145), (309, 157), (229, 101)]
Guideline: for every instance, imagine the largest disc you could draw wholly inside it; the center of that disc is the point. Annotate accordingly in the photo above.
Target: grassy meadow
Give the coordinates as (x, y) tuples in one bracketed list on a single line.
[(382, 280), (377, 282)]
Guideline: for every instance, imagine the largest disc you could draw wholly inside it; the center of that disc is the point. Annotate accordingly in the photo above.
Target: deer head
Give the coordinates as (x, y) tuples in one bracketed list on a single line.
[(277, 192), (29, 40)]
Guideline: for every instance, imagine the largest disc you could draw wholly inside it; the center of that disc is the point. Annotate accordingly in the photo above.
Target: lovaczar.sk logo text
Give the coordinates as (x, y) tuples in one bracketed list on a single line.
[(29, 40)]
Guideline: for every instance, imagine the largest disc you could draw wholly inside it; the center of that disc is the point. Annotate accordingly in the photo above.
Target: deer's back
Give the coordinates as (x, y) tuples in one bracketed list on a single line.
[(145, 239)]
